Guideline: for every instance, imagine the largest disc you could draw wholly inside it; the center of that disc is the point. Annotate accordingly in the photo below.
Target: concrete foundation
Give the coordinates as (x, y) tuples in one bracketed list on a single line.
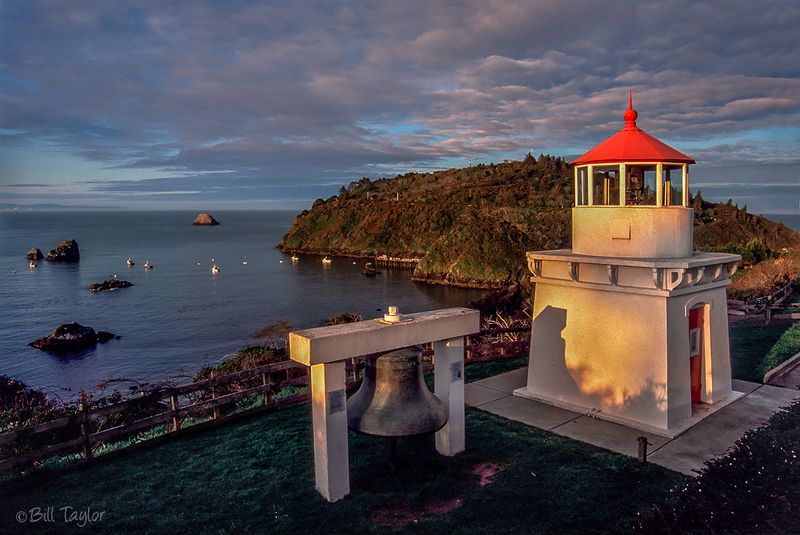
[(611, 337)]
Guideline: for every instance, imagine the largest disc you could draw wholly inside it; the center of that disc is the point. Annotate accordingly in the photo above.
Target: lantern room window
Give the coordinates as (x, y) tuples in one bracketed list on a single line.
[(673, 185), (582, 187), (606, 185), (640, 185)]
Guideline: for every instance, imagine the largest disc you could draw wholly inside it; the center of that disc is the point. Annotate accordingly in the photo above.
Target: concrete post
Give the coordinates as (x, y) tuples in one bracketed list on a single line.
[(659, 184), (448, 372), (577, 186), (685, 184), (329, 423)]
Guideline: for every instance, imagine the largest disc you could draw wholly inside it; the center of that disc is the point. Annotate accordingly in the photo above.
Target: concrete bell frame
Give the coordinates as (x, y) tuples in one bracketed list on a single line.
[(325, 350)]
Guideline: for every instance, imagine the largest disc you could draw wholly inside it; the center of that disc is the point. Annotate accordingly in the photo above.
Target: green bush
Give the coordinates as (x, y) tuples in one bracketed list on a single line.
[(752, 489)]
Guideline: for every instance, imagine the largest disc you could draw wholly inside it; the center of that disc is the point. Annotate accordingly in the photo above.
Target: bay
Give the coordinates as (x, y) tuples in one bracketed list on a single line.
[(178, 316)]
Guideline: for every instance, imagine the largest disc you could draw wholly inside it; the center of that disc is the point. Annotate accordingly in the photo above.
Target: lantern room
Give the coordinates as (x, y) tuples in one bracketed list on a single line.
[(632, 197)]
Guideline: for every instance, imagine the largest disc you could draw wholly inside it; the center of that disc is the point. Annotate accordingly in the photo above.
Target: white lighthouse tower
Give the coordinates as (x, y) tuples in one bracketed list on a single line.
[(631, 324)]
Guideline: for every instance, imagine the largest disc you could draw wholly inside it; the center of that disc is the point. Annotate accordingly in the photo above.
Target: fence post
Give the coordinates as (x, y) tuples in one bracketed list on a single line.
[(215, 409), (768, 311), (266, 381), (84, 411), (173, 403)]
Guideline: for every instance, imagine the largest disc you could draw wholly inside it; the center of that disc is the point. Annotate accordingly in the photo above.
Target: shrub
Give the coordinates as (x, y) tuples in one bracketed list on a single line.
[(751, 489)]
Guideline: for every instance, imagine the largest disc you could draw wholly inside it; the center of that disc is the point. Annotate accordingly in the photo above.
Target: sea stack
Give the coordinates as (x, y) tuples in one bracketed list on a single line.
[(34, 254), (71, 337), (204, 218), (66, 251), (109, 285)]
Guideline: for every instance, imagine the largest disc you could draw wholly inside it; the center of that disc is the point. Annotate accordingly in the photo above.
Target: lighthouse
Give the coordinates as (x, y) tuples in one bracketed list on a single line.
[(631, 324)]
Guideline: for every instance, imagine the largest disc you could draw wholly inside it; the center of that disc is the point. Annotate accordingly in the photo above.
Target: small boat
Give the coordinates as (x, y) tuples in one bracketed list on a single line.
[(32, 265), (130, 262), (369, 269), (214, 269), (295, 258), (244, 262), (326, 261), (148, 265)]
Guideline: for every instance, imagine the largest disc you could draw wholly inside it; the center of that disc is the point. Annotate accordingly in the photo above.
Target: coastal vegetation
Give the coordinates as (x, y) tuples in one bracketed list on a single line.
[(766, 276), (471, 227)]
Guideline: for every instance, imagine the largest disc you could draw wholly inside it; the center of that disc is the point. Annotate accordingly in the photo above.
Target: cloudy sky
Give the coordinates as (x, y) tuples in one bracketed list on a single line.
[(258, 105)]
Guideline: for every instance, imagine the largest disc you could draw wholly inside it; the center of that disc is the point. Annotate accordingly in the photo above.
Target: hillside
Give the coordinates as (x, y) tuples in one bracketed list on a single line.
[(471, 226)]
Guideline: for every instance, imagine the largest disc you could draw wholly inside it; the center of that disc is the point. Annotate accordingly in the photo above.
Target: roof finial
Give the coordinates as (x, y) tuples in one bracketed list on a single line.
[(630, 114)]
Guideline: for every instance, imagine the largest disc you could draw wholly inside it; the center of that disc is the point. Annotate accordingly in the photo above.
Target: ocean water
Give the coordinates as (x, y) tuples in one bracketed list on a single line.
[(790, 220), (177, 317)]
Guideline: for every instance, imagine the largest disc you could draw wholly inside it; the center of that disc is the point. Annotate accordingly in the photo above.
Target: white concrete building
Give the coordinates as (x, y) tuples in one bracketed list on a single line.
[(631, 324)]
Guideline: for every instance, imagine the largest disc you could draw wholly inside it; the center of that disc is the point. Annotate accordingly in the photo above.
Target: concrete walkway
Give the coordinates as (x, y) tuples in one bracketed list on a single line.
[(790, 379), (686, 453)]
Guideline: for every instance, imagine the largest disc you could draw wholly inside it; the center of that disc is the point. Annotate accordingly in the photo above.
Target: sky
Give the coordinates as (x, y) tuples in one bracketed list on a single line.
[(260, 105)]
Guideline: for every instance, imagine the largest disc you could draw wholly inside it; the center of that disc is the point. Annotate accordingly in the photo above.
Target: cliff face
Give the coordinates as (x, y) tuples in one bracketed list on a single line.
[(471, 227)]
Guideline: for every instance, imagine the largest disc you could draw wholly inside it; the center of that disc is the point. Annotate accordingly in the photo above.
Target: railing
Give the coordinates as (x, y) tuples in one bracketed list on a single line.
[(210, 402), (90, 426), (760, 305)]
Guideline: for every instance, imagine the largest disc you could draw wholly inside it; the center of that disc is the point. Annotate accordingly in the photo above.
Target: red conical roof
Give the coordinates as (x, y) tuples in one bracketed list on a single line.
[(631, 144)]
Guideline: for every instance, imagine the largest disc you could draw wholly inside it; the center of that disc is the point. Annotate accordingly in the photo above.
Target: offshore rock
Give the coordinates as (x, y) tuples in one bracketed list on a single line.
[(34, 254), (66, 251), (71, 337), (205, 218), (109, 284)]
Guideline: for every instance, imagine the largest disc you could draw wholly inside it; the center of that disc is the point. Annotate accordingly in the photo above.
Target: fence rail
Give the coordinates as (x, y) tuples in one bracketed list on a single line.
[(760, 305), (213, 399)]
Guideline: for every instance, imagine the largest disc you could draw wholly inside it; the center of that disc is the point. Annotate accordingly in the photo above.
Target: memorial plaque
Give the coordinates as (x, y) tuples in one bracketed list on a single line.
[(456, 369), (336, 401)]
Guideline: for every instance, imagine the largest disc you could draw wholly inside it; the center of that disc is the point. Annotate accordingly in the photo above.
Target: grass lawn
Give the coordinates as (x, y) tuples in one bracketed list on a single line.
[(755, 348), (258, 477)]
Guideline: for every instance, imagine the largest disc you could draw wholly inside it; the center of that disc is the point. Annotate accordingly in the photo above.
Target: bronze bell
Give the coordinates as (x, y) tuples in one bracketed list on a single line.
[(394, 400)]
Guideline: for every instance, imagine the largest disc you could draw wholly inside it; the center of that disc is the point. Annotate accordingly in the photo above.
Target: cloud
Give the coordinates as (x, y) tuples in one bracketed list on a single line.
[(298, 94)]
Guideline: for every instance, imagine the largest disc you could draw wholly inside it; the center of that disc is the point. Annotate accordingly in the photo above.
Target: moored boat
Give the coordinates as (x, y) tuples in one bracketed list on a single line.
[(369, 269)]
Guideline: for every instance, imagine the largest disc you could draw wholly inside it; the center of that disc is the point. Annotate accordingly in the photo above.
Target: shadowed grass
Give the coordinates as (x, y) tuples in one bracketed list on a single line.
[(258, 477), (750, 345)]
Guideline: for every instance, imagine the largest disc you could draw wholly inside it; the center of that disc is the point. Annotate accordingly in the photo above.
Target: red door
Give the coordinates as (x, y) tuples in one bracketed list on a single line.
[(696, 351)]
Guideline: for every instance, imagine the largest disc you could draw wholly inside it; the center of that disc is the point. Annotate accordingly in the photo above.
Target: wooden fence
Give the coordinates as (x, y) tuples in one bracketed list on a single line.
[(210, 402), (763, 304)]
